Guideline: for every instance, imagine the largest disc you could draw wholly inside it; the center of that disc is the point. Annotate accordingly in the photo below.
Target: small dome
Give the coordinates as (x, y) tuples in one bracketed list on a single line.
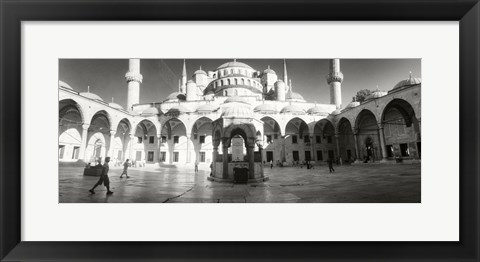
[(207, 108), (353, 104), (237, 112), (91, 96), (115, 105), (295, 96), (269, 71), (175, 96), (236, 99), (151, 111), (336, 112), (411, 81), (178, 110), (280, 83), (375, 94), (64, 85), (190, 82), (317, 110), (291, 109), (200, 71), (265, 109)]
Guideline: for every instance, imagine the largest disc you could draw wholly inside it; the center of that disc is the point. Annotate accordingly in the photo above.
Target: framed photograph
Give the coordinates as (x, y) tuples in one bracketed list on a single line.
[(237, 130)]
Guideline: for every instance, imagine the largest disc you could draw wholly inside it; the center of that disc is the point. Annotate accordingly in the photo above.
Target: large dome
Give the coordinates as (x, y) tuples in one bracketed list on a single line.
[(91, 96), (375, 94), (234, 64), (411, 81), (291, 109), (237, 112)]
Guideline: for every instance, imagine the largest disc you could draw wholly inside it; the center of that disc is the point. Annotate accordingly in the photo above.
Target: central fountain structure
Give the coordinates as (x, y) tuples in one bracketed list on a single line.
[(237, 123)]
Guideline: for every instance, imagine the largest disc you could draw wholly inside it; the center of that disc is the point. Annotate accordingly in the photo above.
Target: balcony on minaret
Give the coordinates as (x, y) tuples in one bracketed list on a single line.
[(334, 77)]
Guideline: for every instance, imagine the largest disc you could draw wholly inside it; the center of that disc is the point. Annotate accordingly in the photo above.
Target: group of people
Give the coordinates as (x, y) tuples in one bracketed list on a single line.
[(295, 163), (104, 179)]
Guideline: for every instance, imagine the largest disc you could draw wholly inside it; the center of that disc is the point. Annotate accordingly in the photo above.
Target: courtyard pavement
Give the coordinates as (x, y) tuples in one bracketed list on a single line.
[(363, 183)]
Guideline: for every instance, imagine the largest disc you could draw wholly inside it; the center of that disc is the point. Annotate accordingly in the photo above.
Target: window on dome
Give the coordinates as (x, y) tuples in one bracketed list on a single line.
[(221, 82), (243, 81), (236, 81), (228, 82)]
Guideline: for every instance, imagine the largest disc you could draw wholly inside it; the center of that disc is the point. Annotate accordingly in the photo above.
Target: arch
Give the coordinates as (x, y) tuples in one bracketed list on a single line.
[(247, 131), (243, 81), (297, 123), (403, 107), (366, 126), (346, 140), (401, 130), (66, 105), (236, 81)]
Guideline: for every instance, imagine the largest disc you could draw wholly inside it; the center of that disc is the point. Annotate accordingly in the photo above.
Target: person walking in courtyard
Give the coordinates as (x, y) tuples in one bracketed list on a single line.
[(330, 165), (271, 164), (196, 166), (103, 178), (125, 167)]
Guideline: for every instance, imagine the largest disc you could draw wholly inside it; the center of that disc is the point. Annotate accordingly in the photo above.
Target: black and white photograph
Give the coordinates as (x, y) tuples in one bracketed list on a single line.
[(232, 130)]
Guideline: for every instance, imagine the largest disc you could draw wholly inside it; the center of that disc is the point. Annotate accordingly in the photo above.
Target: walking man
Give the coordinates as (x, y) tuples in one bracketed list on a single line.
[(330, 165), (271, 164), (196, 166), (125, 167), (103, 178)]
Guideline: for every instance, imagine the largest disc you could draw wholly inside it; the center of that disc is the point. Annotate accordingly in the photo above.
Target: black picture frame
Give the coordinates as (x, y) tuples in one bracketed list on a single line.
[(12, 13)]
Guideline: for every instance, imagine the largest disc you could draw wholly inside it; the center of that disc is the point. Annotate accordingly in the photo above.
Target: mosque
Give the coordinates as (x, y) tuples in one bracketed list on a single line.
[(235, 116)]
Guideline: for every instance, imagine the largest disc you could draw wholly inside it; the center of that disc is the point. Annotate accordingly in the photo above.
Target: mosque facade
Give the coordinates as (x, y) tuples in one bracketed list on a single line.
[(179, 129)]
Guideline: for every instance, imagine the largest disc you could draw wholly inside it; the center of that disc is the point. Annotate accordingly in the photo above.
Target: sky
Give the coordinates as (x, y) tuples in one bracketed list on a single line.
[(106, 77)]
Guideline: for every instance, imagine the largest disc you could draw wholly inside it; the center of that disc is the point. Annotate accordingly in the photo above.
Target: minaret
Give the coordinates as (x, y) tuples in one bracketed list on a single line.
[(134, 79), (184, 78), (285, 75), (334, 79)]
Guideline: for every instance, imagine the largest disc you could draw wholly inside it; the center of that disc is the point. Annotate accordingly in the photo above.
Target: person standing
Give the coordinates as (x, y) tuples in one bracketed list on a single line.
[(125, 167), (196, 166), (271, 164), (330, 165), (103, 178)]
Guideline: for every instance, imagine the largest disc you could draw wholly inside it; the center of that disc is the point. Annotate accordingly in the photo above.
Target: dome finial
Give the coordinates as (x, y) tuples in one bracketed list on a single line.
[(88, 89), (113, 100), (377, 89), (200, 67), (410, 74), (268, 66), (354, 99)]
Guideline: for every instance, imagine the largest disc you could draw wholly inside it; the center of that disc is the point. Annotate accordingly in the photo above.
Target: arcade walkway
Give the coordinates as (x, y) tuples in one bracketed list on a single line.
[(366, 183)]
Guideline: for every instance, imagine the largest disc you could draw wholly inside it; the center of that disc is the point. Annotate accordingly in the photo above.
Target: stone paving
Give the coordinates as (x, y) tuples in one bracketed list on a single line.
[(363, 183)]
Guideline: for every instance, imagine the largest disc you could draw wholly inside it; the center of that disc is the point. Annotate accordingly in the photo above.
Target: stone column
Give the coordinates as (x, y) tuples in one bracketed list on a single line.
[(337, 141), (225, 161), (381, 137), (159, 142), (251, 162), (284, 149), (130, 146), (214, 160), (357, 151), (188, 147), (313, 154), (83, 145), (260, 149), (110, 148)]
